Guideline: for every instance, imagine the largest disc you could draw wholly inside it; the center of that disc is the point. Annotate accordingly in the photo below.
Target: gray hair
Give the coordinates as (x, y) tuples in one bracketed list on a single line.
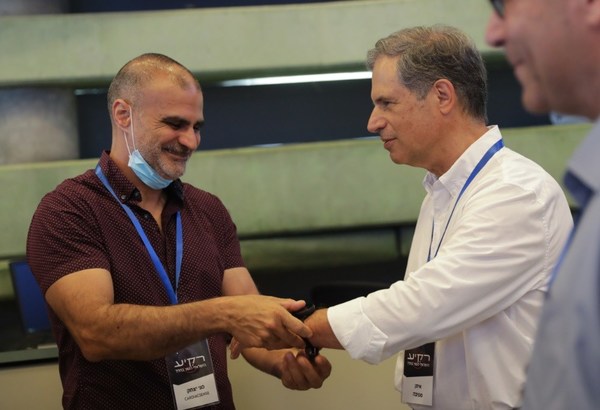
[(427, 54)]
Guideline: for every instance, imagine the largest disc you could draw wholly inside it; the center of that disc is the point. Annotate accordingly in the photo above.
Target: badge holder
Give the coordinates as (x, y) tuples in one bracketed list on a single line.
[(192, 377), (417, 383)]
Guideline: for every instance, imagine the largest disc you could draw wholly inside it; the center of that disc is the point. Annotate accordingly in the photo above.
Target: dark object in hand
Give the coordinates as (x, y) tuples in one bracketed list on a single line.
[(305, 312), (310, 350)]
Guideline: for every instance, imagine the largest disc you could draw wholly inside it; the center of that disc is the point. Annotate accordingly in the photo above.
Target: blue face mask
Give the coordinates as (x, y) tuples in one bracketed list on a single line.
[(141, 168)]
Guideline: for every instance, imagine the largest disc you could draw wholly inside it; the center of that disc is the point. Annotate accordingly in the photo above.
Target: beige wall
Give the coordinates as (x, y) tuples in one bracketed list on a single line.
[(353, 385), (30, 387)]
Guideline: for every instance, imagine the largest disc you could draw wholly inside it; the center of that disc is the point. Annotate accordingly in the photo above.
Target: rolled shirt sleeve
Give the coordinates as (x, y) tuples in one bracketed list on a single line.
[(356, 332)]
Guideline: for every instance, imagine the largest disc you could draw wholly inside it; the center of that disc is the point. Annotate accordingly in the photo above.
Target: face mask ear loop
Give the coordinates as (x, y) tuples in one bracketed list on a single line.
[(126, 143), (132, 137)]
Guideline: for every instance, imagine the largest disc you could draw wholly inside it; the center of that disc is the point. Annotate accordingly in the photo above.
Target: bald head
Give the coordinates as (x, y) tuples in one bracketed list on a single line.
[(134, 76)]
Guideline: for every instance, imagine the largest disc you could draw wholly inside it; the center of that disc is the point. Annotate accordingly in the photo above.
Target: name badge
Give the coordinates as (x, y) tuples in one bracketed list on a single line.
[(417, 383), (192, 377)]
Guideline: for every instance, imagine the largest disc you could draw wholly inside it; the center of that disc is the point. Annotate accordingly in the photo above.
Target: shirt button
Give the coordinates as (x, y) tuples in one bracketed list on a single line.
[(123, 197)]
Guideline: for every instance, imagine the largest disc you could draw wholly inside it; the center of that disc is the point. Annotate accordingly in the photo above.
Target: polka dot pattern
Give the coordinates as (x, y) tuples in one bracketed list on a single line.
[(80, 226)]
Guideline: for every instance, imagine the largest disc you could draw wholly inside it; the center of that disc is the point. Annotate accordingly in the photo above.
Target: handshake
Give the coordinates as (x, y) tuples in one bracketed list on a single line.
[(273, 336)]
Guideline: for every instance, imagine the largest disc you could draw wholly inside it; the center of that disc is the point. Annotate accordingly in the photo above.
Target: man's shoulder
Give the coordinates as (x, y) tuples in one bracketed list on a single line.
[(519, 165), (73, 189), (204, 205), (518, 173), (192, 192)]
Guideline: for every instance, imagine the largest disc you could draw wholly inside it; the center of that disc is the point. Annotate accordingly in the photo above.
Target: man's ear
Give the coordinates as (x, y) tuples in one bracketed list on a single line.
[(121, 112), (445, 94)]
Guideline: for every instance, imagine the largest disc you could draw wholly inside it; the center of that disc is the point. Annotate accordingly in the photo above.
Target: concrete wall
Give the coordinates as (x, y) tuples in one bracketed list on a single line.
[(332, 193), (78, 49)]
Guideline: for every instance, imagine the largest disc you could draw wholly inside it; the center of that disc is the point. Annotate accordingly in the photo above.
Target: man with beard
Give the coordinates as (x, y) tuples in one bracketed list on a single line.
[(143, 273)]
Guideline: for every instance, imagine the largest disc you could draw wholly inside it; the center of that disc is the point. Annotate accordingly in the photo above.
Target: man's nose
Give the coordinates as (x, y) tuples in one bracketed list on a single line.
[(375, 122), (190, 138), (494, 32)]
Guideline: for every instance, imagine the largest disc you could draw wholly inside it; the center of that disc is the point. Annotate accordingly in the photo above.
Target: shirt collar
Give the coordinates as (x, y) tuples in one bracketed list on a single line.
[(454, 179), (583, 169), (125, 189)]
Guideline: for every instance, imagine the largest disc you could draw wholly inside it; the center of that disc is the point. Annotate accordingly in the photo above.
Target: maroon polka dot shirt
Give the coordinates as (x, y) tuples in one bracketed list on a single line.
[(81, 226)]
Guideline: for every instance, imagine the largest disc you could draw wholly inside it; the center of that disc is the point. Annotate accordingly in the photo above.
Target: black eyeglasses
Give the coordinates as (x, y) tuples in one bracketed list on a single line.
[(498, 5)]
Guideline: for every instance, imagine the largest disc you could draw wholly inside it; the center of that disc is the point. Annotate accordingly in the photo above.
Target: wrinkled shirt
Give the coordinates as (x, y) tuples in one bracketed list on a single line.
[(481, 296)]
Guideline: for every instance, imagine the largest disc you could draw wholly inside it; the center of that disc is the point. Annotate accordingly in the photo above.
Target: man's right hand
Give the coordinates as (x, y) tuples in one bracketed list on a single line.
[(265, 321)]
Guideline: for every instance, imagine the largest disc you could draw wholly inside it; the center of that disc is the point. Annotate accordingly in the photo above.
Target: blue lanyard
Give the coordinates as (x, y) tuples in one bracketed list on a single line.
[(484, 160), (160, 269)]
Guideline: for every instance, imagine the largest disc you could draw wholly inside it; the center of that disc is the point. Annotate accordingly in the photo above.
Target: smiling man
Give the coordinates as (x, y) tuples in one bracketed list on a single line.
[(554, 47), (143, 272), (488, 235)]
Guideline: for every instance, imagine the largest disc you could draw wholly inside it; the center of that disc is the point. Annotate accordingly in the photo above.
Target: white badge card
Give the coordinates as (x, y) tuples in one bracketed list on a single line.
[(417, 383), (192, 377)]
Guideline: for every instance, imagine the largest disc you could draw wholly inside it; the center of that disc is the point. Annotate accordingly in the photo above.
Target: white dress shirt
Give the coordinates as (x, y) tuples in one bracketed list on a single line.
[(481, 296)]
